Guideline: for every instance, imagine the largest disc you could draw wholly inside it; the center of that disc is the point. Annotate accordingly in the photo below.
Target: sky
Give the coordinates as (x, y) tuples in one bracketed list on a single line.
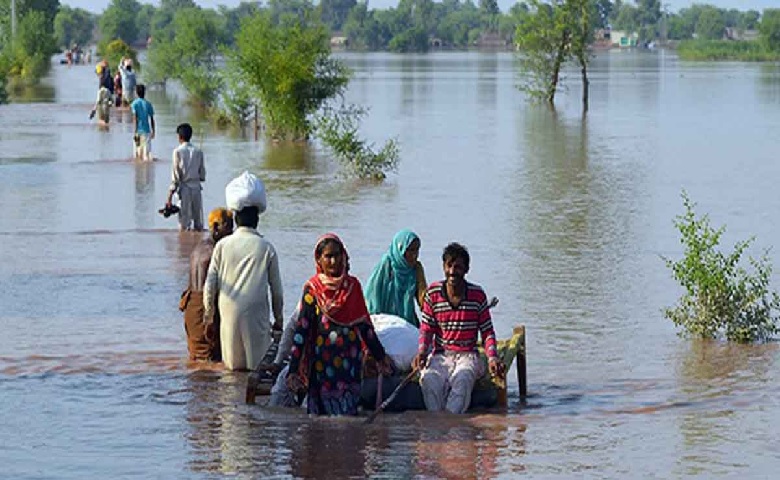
[(674, 5)]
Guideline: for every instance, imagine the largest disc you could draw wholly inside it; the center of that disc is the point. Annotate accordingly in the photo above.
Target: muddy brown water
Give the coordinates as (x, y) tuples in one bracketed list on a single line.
[(566, 219)]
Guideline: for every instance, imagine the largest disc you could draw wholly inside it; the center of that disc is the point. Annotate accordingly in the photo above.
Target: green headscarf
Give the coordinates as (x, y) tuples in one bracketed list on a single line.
[(392, 286)]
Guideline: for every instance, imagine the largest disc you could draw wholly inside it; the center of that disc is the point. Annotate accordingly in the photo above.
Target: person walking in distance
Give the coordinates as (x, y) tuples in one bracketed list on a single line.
[(143, 119)]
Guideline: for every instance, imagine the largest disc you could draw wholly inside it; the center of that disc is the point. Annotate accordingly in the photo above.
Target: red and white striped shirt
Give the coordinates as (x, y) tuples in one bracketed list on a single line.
[(455, 329)]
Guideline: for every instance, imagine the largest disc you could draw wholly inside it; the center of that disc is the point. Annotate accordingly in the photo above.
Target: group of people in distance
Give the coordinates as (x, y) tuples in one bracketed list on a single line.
[(325, 340), (123, 91)]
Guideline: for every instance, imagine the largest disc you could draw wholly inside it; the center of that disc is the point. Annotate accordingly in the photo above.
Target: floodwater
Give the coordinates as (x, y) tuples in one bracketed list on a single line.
[(566, 219)]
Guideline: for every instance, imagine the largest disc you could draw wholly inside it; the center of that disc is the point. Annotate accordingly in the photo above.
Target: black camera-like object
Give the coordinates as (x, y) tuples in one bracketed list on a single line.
[(91, 114), (169, 210)]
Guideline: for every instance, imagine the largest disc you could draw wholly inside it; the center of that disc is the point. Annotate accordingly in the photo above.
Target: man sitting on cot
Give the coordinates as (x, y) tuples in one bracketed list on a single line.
[(455, 312)]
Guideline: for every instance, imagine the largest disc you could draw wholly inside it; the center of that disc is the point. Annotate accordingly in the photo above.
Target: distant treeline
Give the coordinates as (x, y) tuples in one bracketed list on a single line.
[(413, 25)]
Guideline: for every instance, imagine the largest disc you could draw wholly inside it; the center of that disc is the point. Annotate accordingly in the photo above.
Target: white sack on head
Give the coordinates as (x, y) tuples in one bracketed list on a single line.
[(246, 190), (399, 338)]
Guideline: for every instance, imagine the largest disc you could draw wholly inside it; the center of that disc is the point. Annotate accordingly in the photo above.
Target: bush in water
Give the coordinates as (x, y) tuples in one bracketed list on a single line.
[(338, 130), (113, 52), (721, 297)]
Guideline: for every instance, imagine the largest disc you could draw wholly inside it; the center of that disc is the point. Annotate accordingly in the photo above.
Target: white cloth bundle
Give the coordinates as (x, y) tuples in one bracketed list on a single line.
[(399, 338), (246, 190)]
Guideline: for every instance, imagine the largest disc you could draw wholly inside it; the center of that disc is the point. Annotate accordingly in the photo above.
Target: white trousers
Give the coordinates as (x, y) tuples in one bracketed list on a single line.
[(448, 380), (191, 208)]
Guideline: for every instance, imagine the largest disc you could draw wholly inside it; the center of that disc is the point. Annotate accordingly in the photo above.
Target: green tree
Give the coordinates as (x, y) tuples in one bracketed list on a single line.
[(553, 34), (143, 22), (73, 25), (711, 24), (27, 57), (335, 12), (627, 18), (290, 68), (187, 53), (769, 29), (749, 20), (119, 21), (116, 50)]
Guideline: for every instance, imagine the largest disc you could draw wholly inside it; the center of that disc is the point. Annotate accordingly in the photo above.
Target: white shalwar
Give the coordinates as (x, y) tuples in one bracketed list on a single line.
[(448, 380), (243, 268)]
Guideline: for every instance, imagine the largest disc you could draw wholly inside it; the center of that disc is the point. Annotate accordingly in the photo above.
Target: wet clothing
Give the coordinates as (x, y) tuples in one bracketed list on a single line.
[(243, 268), (202, 345), (187, 172), (448, 380), (332, 328), (394, 286), (142, 148), (103, 104), (128, 84), (454, 366), (143, 112), (332, 357), (203, 342)]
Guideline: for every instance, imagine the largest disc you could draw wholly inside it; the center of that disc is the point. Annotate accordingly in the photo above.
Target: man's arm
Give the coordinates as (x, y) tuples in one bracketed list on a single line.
[(486, 331), (175, 178), (211, 288), (428, 328), (275, 282), (151, 122), (202, 167)]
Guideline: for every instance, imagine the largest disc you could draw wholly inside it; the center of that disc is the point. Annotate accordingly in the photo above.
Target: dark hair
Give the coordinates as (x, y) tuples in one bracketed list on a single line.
[(184, 131), (140, 90), (248, 217), (456, 250), (328, 241)]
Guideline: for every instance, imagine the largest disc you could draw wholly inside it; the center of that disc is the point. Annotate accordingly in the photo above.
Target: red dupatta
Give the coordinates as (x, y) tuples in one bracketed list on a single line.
[(339, 298)]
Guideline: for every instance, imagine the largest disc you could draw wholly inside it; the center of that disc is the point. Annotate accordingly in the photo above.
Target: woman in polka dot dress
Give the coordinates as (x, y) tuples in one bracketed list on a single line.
[(333, 327)]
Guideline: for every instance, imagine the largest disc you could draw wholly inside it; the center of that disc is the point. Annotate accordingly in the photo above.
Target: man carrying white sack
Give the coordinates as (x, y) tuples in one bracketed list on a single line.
[(243, 268)]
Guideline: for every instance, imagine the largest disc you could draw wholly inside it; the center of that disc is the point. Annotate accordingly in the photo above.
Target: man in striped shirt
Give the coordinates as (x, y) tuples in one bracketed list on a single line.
[(454, 314)]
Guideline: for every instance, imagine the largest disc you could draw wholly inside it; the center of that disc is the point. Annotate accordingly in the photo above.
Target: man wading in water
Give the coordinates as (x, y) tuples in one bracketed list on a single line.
[(143, 119), (188, 171), (203, 337)]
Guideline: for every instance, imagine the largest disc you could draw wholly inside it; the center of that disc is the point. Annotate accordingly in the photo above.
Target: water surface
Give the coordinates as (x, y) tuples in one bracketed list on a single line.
[(566, 219)]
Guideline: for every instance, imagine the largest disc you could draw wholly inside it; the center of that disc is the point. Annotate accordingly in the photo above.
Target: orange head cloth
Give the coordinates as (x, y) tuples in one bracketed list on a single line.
[(219, 215)]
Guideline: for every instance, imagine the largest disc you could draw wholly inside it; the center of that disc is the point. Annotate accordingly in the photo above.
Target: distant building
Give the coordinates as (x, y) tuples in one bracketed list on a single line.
[(732, 33), (339, 41), (623, 39)]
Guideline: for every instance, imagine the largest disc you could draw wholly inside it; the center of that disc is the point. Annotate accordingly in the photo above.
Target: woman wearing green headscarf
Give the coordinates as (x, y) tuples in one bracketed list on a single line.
[(398, 280)]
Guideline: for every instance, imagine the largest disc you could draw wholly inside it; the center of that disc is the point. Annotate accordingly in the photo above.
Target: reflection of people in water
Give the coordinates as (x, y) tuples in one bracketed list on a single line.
[(461, 452)]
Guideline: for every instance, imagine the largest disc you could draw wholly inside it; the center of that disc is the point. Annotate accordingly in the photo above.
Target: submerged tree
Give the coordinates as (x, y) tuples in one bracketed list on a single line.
[(290, 67), (552, 34), (185, 50)]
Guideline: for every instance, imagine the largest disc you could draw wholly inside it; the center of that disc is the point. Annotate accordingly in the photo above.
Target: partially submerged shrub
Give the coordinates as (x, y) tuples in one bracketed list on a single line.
[(113, 51), (338, 130), (722, 297)]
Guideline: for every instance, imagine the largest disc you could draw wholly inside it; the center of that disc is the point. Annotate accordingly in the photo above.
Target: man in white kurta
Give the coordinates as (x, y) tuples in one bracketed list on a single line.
[(243, 268)]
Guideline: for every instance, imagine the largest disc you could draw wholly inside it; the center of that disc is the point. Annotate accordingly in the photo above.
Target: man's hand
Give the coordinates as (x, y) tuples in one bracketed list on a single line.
[(419, 361), (151, 135), (496, 368)]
